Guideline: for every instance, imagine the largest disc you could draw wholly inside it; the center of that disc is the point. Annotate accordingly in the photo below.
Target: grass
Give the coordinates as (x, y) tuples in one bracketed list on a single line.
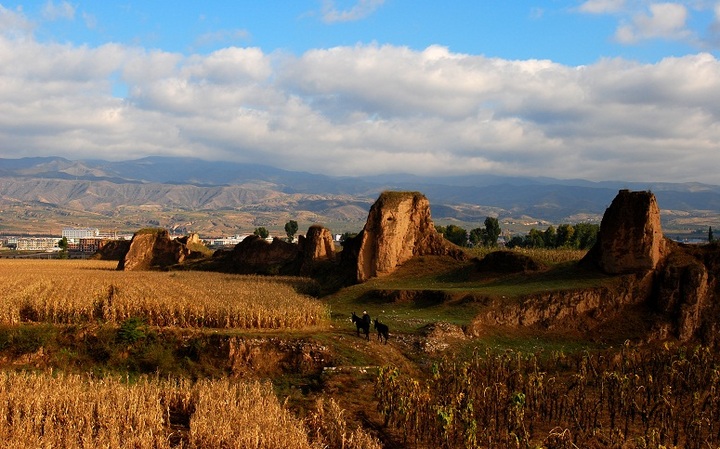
[(454, 292)]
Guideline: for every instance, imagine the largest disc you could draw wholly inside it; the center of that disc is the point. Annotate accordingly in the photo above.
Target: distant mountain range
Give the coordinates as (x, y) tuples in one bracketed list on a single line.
[(45, 193)]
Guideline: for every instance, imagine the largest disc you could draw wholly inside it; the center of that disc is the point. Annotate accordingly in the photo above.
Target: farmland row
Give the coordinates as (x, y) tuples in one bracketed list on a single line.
[(72, 292), (73, 411), (633, 398)]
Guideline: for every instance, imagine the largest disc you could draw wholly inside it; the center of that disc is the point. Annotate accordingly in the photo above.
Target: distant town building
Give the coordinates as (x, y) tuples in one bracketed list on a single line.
[(227, 241), (37, 244), (75, 234)]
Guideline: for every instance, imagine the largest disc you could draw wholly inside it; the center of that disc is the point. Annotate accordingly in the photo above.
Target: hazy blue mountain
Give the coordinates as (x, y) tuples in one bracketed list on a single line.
[(196, 184)]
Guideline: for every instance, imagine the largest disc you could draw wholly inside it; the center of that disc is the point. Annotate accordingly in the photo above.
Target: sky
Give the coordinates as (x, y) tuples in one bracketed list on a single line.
[(623, 90)]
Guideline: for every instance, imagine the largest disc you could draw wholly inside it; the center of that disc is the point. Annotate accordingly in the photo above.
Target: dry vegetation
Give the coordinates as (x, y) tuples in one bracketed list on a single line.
[(631, 399), (72, 411), (75, 292), (545, 256)]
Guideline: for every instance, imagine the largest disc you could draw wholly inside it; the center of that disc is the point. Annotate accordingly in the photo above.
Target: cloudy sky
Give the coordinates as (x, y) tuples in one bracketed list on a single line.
[(598, 89)]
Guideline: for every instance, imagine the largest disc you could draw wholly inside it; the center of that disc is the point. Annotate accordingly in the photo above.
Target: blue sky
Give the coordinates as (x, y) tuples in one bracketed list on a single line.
[(563, 31), (595, 89)]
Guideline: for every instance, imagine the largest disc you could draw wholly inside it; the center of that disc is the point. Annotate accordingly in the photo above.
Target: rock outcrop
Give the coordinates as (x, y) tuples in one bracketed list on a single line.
[(687, 290), (630, 238), (676, 284), (256, 255), (112, 250), (507, 262), (316, 247), (398, 228), (153, 249)]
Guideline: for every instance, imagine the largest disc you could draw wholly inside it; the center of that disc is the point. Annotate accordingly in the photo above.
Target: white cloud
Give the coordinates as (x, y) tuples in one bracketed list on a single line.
[(222, 37), (13, 24), (664, 20), (364, 109), (360, 10), (602, 6), (62, 10)]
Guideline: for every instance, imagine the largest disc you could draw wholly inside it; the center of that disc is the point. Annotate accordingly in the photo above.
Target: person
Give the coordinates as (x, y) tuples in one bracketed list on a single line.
[(366, 317)]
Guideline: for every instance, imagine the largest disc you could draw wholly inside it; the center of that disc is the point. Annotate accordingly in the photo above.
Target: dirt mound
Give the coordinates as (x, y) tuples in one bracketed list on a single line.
[(507, 262), (256, 255), (398, 228), (153, 249)]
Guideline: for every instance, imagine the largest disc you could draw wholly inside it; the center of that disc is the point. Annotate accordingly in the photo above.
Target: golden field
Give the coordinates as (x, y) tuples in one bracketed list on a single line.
[(76, 292), (74, 411)]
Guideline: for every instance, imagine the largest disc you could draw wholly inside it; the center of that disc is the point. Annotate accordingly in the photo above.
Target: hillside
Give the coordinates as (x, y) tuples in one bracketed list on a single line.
[(41, 195)]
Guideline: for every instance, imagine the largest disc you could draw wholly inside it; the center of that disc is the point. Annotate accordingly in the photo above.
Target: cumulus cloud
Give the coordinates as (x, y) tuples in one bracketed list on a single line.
[(62, 10), (602, 6), (664, 20), (222, 37), (365, 109), (360, 10), (641, 20), (13, 24)]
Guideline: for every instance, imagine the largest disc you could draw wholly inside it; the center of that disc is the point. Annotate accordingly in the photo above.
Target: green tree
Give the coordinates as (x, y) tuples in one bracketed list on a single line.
[(517, 241), (710, 235), (536, 239), (564, 235), (63, 245), (585, 235), (476, 236), (492, 231), (454, 233), (261, 232), (291, 228), (550, 237)]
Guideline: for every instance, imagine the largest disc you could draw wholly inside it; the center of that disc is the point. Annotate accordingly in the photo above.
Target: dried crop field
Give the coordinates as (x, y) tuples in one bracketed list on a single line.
[(632, 398), (72, 411), (76, 292)]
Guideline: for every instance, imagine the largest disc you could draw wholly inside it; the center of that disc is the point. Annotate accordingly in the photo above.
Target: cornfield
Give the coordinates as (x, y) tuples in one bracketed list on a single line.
[(76, 292), (631, 399), (51, 410)]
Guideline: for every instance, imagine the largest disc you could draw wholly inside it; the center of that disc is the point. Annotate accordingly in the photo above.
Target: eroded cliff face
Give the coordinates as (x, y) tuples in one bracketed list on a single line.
[(581, 310), (316, 247), (153, 249), (398, 228), (676, 284), (630, 238), (687, 292)]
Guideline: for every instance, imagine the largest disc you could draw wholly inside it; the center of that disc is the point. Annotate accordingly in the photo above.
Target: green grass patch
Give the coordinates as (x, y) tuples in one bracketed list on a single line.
[(442, 289)]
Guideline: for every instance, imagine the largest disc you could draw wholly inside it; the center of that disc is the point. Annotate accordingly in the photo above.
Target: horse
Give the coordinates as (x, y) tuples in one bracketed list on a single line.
[(362, 323), (382, 329)]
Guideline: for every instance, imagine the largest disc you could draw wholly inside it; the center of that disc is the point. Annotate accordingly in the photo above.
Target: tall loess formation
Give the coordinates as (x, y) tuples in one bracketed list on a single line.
[(679, 282), (630, 238), (153, 249), (316, 247), (398, 228)]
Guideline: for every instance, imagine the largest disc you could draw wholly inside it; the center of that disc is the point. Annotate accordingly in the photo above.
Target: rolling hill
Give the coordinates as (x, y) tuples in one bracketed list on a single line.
[(41, 195)]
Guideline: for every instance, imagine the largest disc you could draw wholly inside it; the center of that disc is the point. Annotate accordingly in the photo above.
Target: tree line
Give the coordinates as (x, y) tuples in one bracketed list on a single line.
[(577, 236), (482, 236)]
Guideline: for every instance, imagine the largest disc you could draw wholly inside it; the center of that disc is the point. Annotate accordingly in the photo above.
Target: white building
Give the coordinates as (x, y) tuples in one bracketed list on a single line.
[(37, 244), (75, 234)]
